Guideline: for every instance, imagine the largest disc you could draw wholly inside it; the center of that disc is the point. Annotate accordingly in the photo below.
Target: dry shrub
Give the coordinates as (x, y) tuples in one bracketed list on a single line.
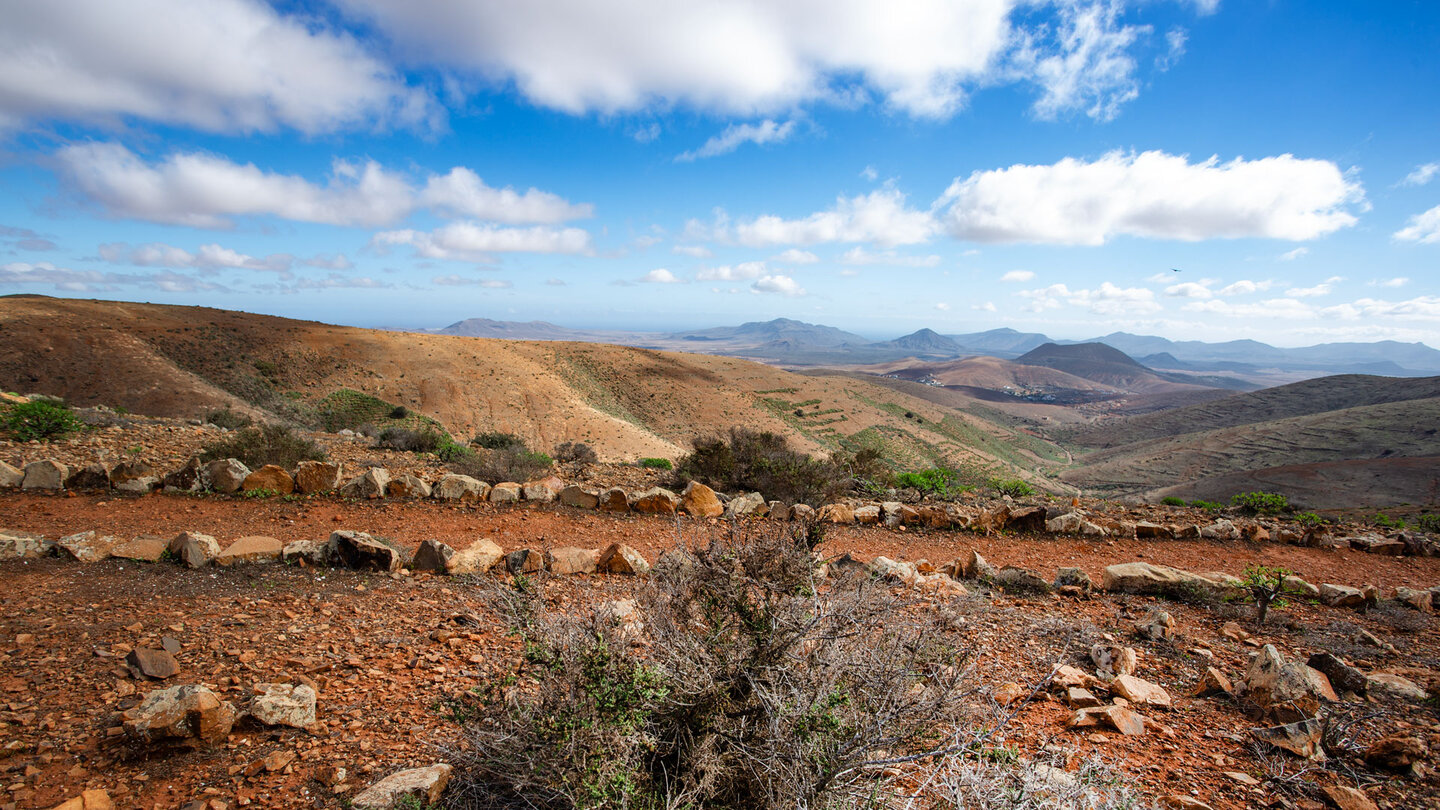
[(763, 462), (266, 444), (747, 683), (504, 464)]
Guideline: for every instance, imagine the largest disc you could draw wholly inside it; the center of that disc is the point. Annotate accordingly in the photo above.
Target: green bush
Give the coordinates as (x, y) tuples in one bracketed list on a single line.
[(1171, 500), (1209, 506), (1014, 487), (40, 420), (409, 440), (399, 412), (1428, 523), (1384, 521), (1267, 588), (494, 440), (763, 462), (227, 418), (1309, 519), (656, 464), (942, 481), (267, 444), (1260, 503)]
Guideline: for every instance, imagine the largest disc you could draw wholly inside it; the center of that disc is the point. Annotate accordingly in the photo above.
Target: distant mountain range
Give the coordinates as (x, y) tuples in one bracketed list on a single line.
[(790, 342)]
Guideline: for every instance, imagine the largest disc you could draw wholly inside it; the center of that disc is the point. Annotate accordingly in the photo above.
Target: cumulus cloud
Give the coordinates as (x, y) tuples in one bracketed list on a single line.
[(1018, 276), (207, 257), (65, 279), (942, 306), (757, 56), (206, 191), (1421, 174), (659, 276), (1153, 195), (1188, 289), (881, 217), (779, 284), (230, 66), (860, 256), (1245, 287), (1292, 255), (335, 261), (1399, 281), (1107, 299), (736, 135), (1323, 288), (794, 256), (475, 241), (1423, 228), (869, 173), (743, 271)]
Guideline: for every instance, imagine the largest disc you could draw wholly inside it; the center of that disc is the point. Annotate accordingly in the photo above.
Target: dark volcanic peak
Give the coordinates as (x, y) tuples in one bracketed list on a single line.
[(926, 341), (1052, 353), (1003, 342), (798, 333)]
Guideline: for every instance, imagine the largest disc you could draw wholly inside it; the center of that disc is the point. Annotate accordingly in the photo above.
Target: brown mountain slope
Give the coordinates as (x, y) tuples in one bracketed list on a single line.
[(625, 402), (991, 373)]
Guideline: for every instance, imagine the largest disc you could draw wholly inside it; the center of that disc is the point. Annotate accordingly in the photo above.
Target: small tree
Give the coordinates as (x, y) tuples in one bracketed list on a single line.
[(42, 420), (1267, 588)]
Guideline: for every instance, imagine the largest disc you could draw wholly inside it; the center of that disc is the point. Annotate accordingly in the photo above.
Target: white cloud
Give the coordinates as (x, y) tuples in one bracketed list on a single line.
[(646, 134), (659, 276), (231, 66), (988, 306), (1245, 287), (65, 279), (736, 135), (1153, 195), (335, 281), (1188, 289), (1292, 255), (337, 261), (694, 251), (1323, 288), (849, 273), (1175, 40), (763, 56), (473, 241), (880, 217), (208, 257), (1423, 228), (1274, 308), (740, 272), (783, 285), (942, 306), (1018, 276), (869, 173), (1107, 299), (1399, 281), (466, 281), (205, 191), (1421, 174), (794, 256), (860, 256), (1088, 65)]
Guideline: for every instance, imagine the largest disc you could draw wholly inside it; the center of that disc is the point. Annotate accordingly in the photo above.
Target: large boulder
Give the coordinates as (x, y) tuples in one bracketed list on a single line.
[(251, 549), (1128, 723), (89, 477), (614, 499), (1021, 580), (141, 548), (314, 477), (1074, 523), (307, 552), (524, 561), (700, 501), (751, 504), (146, 662), (1384, 683), (359, 550), (1112, 660), (225, 475), (130, 471), (1301, 738), (580, 497), (186, 478), (868, 514), (193, 549), (369, 484), (1139, 691), (422, 785), (283, 704), (1142, 577), (1343, 677), (622, 559), (455, 487), (433, 556), (840, 513), (1026, 519), (544, 490), (572, 560), (1285, 691), (407, 486), (478, 558), (655, 501), (10, 477), (87, 547), (187, 713), (1221, 529), (270, 478), (1341, 596), (505, 492), (45, 474), (23, 545)]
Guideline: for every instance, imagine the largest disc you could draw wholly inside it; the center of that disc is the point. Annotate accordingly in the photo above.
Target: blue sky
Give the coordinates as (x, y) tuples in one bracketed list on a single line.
[(878, 166)]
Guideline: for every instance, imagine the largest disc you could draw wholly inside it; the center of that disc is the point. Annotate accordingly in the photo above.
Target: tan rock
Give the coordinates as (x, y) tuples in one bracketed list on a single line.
[(283, 704), (1140, 691), (839, 513), (407, 486), (224, 475), (544, 490), (505, 492), (186, 712), (432, 555), (1119, 718), (269, 478), (655, 501), (869, 514), (1301, 738), (424, 784), (1341, 596), (1345, 797), (461, 488), (143, 548), (1008, 693), (45, 474), (580, 497), (1113, 659), (478, 558), (251, 549), (369, 484), (700, 501), (194, 550), (87, 546), (614, 499), (622, 559), (314, 477), (572, 560), (1213, 683)]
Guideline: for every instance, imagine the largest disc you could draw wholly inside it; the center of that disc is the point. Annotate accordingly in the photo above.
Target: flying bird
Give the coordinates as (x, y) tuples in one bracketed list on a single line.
[(1174, 269)]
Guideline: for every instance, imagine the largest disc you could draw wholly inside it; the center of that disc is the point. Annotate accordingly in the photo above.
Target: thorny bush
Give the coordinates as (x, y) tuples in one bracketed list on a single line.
[(267, 444), (764, 462), (743, 680)]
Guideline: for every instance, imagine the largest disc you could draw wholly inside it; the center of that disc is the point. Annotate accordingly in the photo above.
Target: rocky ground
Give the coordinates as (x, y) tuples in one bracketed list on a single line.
[(384, 652)]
